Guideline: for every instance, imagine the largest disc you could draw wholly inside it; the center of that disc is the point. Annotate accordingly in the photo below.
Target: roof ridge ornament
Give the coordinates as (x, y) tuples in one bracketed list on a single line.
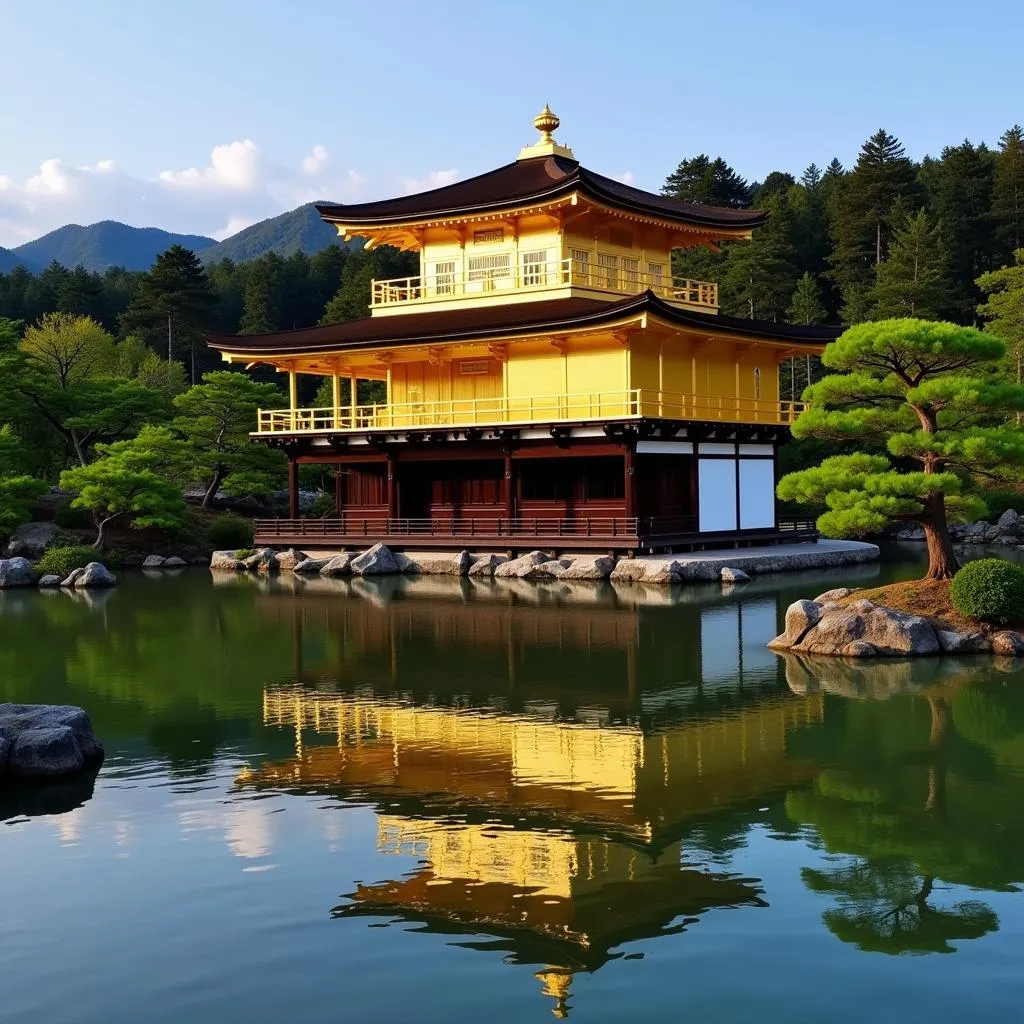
[(546, 122)]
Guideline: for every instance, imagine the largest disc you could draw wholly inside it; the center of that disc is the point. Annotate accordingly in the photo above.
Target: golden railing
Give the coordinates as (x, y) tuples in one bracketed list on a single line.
[(618, 280), (473, 412)]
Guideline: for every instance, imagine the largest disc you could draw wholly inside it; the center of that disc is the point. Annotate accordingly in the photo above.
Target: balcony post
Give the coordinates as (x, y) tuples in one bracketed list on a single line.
[(336, 399), (293, 396), (293, 488), (353, 394)]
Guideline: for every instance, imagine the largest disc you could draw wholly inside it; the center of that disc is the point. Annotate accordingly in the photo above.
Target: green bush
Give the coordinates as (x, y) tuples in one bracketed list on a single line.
[(61, 561), (69, 518), (322, 508), (229, 531), (990, 590)]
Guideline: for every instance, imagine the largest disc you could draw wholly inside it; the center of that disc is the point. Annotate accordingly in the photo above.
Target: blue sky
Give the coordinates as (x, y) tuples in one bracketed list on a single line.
[(205, 116)]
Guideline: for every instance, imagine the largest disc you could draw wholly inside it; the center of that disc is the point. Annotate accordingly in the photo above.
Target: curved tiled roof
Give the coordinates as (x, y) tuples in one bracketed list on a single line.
[(540, 179), (492, 323)]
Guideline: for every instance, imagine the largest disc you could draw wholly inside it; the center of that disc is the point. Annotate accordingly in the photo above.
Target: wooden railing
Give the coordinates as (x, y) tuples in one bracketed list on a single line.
[(471, 412), (618, 280)]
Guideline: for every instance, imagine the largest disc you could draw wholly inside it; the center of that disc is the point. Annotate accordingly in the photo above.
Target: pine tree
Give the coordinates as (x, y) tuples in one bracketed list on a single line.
[(914, 279), (1004, 310), (760, 275), (1008, 191), (700, 179), (866, 203), (961, 198), (263, 305), (805, 307), (82, 294)]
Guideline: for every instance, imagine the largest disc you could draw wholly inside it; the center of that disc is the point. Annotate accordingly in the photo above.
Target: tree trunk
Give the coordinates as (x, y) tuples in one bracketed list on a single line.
[(211, 491), (101, 530), (942, 560), (79, 448)]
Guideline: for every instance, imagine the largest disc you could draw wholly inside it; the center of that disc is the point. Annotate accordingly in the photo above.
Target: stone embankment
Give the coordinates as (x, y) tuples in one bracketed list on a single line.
[(20, 572), (42, 740), (730, 567), (862, 629), (1007, 531)]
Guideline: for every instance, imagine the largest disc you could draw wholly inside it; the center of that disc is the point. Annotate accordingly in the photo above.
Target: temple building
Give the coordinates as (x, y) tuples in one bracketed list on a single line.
[(546, 380)]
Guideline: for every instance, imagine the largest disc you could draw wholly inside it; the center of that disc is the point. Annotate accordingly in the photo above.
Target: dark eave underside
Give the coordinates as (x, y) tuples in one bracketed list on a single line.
[(492, 323), (541, 179)]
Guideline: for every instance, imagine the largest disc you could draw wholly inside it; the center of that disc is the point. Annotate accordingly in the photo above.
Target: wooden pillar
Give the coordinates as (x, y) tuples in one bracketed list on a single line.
[(392, 486), (509, 492), (293, 488), (630, 488), (336, 399), (339, 494), (293, 396), (353, 395)]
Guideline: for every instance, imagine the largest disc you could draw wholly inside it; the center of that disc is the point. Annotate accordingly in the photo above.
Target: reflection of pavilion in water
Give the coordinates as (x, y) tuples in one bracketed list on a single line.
[(547, 816)]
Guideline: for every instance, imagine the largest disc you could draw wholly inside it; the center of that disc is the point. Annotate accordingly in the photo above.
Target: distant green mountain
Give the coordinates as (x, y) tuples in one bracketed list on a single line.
[(10, 260), (106, 244), (285, 234)]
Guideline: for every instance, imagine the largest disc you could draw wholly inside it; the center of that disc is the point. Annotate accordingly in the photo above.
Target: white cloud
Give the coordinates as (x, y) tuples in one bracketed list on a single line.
[(238, 186), (627, 177)]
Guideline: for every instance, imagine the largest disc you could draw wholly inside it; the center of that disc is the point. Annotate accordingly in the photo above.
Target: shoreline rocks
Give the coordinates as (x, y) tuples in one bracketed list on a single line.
[(862, 629), (43, 740)]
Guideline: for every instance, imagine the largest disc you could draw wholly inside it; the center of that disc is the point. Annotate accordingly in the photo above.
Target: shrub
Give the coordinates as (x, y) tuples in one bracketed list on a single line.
[(990, 590), (230, 531), (61, 561), (322, 508), (244, 553), (70, 518)]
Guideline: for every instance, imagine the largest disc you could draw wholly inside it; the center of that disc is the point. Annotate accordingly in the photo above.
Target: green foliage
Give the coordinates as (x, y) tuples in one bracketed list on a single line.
[(805, 307), (18, 494), (988, 714), (1004, 309), (215, 419), (63, 560), (913, 279), (323, 507), (989, 590), (700, 179), (229, 531)]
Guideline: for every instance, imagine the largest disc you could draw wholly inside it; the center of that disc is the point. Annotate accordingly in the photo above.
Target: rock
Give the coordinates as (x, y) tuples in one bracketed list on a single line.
[(96, 574), (486, 565), (174, 562), (458, 564), (887, 631), (519, 567), (833, 595), (260, 561), (642, 570), (41, 740), (226, 561), (800, 617), (730, 575), (16, 572), (599, 568), (285, 561), (375, 561), (550, 570), (49, 580), (1008, 643), (310, 566), (859, 649), (339, 565), (1007, 521), (72, 578), (153, 562), (953, 642), (30, 540), (912, 532)]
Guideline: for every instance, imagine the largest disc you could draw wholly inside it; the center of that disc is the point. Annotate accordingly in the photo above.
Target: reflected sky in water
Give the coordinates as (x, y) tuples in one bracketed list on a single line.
[(422, 798)]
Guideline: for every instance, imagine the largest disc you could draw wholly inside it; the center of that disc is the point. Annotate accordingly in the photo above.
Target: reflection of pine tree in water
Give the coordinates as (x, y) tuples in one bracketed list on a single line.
[(886, 892), (884, 908)]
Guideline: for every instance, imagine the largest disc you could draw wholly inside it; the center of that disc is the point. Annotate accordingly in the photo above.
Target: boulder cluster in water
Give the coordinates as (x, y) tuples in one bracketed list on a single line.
[(43, 740), (1007, 531), (863, 629)]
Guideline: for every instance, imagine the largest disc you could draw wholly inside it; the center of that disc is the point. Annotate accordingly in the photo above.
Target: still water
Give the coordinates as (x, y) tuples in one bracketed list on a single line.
[(434, 799)]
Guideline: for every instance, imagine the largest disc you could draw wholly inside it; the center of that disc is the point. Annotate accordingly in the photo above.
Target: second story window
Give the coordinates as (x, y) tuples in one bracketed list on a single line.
[(609, 267), (535, 267), (444, 277), (656, 276), (490, 269), (580, 265), (630, 272)]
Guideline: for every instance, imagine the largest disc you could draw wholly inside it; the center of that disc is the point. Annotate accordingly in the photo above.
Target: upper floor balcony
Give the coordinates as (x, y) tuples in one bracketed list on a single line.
[(500, 278), (635, 403)]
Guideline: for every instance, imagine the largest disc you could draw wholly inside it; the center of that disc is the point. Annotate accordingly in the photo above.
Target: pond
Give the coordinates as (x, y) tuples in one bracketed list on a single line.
[(432, 799)]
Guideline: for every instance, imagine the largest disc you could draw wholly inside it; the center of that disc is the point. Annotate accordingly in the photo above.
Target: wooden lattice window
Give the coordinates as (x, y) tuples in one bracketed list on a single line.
[(609, 265), (490, 268), (444, 277), (656, 275), (535, 267), (580, 265), (630, 271)]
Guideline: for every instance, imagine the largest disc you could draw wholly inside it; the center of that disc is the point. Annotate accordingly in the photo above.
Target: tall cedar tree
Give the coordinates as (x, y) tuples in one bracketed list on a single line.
[(914, 279), (927, 393), (806, 307), (960, 193), (1008, 191), (700, 179), (174, 303), (867, 201)]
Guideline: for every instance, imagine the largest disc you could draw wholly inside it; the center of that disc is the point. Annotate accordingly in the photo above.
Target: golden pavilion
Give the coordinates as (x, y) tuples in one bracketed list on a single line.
[(547, 379)]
